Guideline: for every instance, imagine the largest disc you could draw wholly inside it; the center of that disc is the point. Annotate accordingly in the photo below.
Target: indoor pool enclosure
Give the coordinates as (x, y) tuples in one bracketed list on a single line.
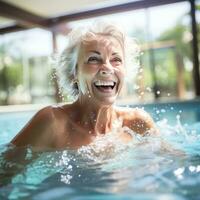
[(165, 167), (150, 167)]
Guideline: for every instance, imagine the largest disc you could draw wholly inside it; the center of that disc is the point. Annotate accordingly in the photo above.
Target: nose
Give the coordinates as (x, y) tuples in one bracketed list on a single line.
[(106, 69)]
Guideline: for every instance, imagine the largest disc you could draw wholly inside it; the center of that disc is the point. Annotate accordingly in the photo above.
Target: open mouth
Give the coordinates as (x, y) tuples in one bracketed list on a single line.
[(105, 86)]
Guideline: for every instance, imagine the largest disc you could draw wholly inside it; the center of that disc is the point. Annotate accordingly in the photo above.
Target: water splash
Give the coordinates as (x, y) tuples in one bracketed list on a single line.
[(168, 163)]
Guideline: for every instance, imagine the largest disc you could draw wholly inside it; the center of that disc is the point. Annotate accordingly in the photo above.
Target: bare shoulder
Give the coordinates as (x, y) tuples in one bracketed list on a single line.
[(36, 130), (46, 114), (137, 119)]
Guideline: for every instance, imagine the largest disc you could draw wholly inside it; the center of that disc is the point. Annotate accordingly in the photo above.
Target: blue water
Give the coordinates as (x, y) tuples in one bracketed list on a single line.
[(149, 168)]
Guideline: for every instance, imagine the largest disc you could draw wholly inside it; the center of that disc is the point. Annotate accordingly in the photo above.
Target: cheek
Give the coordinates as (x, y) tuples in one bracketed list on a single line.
[(85, 76), (121, 72), (87, 72), (92, 69)]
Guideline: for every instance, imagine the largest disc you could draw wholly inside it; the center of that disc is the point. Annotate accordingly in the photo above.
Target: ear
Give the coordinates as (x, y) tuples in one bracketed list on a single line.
[(75, 77), (76, 85), (75, 71)]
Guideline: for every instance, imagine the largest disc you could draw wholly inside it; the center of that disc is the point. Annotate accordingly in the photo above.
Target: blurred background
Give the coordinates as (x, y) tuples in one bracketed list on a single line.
[(167, 31)]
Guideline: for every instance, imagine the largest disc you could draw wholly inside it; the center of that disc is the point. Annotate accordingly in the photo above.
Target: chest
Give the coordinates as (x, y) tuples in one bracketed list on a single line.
[(74, 136)]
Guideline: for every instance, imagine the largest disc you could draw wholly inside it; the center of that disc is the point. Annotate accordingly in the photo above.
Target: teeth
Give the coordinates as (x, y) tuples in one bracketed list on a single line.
[(104, 83)]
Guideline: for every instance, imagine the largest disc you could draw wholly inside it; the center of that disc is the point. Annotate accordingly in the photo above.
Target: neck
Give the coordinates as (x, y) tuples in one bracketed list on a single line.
[(95, 119)]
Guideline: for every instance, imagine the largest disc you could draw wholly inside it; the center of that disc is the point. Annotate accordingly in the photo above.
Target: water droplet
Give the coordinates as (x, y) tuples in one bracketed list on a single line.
[(136, 87), (157, 92), (148, 89), (179, 171), (192, 168), (140, 70), (163, 110), (165, 120), (198, 168), (157, 111)]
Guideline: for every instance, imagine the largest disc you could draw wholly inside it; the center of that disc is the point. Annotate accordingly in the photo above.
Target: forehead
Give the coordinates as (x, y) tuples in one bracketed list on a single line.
[(102, 43)]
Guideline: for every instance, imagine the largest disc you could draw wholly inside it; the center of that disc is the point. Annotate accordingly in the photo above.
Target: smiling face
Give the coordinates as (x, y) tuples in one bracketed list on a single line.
[(100, 70)]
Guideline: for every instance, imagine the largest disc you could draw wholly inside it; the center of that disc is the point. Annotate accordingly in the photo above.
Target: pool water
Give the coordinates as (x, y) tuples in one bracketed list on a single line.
[(165, 167)]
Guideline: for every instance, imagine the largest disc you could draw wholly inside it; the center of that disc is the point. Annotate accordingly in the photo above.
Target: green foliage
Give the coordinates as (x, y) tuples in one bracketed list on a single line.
[(11, 74), (147, 71), (165, 68), (178, 34), (14, 74), (10, 68)]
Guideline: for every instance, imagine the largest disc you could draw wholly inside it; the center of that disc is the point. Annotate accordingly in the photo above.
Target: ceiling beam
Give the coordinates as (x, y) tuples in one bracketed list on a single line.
[(28, 19), (111, 10), (12, 28), (23, 17)]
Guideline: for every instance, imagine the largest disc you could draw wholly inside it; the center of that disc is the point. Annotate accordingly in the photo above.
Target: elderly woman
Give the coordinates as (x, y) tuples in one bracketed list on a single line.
[(94, 66)]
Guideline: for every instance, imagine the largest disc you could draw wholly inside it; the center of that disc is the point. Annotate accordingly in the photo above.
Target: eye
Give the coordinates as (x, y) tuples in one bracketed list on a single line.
[(116, 60), (94, 60)]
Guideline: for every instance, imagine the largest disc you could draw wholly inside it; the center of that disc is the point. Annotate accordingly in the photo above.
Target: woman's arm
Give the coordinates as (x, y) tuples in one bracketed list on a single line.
[(36, 135), (140, 122)]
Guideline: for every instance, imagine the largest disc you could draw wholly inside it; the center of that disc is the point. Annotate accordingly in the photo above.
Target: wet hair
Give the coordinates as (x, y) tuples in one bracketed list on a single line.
[(66, 67)]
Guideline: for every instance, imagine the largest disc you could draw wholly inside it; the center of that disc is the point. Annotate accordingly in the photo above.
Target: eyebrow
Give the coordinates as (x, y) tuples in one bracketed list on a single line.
[(95, 52), (113, 54)]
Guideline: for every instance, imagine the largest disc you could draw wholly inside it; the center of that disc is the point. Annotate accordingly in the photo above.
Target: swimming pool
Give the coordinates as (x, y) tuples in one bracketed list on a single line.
[(150, 168)]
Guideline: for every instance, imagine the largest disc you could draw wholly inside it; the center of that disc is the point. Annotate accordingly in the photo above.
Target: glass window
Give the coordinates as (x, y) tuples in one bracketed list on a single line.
[(24, 67), (165, 63)]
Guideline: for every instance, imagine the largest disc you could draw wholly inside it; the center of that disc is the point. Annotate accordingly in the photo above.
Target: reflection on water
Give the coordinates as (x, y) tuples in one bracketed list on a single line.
[(150, 167)]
